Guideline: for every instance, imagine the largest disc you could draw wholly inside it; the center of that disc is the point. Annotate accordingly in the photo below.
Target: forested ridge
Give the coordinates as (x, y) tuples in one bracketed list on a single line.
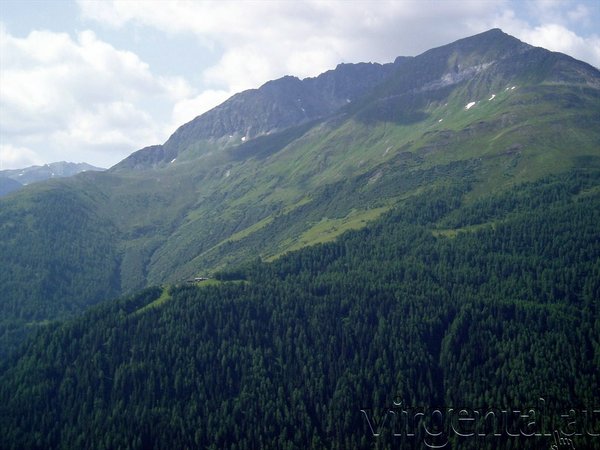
[(46, 239), (488, 305)]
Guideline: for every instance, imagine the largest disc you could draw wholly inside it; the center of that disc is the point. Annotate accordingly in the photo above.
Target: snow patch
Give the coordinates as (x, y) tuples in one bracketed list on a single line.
[(227, 173), (492, 97), (513, 88), (348, 100), (387, 150), (470, 105), (173, 160), (440, 121), (244, 139)]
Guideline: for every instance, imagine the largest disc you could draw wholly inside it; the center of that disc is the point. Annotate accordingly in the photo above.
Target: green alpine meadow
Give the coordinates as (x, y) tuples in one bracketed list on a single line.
[(385, 256)]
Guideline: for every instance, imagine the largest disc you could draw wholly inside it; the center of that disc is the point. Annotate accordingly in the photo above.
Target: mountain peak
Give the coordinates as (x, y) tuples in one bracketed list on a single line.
[(289, 101), (491, 44)]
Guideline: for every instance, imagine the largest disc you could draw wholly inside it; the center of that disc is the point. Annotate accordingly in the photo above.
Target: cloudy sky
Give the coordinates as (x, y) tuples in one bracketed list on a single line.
[(96, 80)]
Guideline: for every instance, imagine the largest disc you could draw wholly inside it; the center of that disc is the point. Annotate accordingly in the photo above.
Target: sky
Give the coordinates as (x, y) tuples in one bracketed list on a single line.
[(94, 81)]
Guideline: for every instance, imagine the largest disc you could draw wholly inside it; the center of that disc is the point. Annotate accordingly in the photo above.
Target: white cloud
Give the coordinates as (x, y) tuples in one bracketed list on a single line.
[(552, 36), (76, 98), (261, 40), (558, 38), (562, 12), (16, 157), (579, 13)]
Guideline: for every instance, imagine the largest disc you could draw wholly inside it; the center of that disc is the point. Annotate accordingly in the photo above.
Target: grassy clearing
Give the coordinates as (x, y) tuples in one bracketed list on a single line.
[(247, 231), (328, 229), (261, 223), (164, 297), (243, 234), (453, 232), (209, 282)]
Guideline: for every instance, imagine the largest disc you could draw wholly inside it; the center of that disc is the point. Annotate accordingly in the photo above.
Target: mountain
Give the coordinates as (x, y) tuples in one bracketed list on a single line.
[(36, 174), (276, 106), (402, 255), (289, 102), (296, 163)]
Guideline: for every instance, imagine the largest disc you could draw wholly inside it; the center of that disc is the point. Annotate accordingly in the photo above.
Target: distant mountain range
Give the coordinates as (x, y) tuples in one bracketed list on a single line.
[(13, 179)]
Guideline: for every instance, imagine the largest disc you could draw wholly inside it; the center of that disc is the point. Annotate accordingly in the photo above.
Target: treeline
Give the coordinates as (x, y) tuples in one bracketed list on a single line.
[(315, 349)]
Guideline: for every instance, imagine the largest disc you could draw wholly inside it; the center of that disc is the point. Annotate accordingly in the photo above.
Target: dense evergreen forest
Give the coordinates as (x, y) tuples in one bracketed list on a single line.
[(394, 336), (47, 237)]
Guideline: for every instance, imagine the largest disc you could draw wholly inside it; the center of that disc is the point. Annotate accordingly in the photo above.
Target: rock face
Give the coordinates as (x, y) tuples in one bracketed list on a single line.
[(283, 103), (275, 106)]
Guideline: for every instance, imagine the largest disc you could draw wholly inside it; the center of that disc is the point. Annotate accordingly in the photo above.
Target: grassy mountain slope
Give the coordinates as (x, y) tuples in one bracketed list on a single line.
[(8, 185), (480, 115), (487, 305)]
